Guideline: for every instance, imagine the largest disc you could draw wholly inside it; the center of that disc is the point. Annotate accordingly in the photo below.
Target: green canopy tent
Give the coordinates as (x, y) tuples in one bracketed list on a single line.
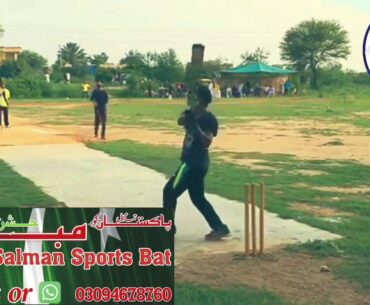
[(257, 72), (257, 68)]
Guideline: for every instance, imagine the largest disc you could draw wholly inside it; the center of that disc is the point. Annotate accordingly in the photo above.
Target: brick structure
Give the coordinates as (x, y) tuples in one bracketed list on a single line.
[(9, 53)]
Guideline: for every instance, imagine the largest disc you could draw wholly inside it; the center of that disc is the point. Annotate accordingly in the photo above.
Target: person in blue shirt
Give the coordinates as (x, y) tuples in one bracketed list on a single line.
[(287, 86), (100, 99)]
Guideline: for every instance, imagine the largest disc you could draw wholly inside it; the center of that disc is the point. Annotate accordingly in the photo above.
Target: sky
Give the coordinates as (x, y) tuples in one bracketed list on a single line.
[(227, 28)]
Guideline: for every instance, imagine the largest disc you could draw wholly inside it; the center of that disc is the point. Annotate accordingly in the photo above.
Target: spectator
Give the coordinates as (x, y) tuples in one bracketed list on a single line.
[(271, 91), (281, 88), (257, 90), (68, 78), (85, 87), (287, 87), (47, 77), (235, 91), (210, 87), (241, 89), (228, 92), (216, 90), (4, 104)]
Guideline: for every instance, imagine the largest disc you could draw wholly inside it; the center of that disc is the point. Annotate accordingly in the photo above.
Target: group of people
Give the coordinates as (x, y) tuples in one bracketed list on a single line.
[(258, 90), (169, 91)]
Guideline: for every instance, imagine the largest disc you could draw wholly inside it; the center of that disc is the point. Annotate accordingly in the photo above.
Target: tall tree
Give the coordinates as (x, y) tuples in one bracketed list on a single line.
[(314, 43), (212, 67), (73, 54), (31, 60), (260, 55), (99, 59), (135, 60), (167, 66)]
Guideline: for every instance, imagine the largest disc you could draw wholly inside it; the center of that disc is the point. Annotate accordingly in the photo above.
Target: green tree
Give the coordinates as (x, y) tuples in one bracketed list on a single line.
[(139, 63), (314, 43), (1, 31), (28, 63), (167, 67), (33, 61), (9, 69), (98, 59), (260, 55), (72, 54), (213, 67), (135, 60)]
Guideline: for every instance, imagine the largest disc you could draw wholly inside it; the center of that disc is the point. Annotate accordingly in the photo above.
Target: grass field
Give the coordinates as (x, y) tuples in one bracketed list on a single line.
[(335, 197), (201, 295), (16, 190), (144, 112)]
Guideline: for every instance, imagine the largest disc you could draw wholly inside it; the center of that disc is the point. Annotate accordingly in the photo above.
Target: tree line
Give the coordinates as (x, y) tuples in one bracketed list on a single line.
[(309, 47)]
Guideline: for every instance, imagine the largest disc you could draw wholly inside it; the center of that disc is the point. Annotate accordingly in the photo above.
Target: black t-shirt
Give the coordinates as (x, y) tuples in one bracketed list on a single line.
[(100, 97), (194, 152)]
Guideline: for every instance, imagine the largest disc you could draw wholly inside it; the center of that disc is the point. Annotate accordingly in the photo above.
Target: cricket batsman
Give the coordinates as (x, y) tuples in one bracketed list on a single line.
[(201, 126)]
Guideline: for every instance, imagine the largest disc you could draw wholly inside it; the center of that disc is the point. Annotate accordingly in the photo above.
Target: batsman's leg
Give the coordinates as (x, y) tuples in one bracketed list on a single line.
[(197, 195), (174, 188), (97, 122)]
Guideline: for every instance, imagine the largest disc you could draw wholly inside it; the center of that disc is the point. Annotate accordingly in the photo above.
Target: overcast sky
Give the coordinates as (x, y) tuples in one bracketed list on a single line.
[(226, 27)]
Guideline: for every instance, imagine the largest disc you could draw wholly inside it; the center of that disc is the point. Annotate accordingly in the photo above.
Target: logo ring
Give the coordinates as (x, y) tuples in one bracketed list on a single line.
[(364, 50)]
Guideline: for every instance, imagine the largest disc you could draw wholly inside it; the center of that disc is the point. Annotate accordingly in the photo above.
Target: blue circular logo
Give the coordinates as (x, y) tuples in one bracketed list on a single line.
[(366, 50)]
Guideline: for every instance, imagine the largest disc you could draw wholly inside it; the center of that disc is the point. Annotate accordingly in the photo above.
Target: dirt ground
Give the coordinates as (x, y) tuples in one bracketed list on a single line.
[(319, 211), (294, 276), (265, 137)]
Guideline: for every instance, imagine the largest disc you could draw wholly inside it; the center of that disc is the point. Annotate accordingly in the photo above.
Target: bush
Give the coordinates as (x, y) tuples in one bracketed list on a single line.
[(64, 90), (105, 75), (27, 86), (136, 86)]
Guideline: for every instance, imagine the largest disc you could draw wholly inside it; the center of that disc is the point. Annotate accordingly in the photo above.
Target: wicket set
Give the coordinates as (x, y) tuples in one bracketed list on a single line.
[(250, 218)]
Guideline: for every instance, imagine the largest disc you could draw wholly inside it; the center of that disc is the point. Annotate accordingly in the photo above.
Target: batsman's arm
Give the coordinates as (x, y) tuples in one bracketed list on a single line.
[(181, 120), (206, 137)]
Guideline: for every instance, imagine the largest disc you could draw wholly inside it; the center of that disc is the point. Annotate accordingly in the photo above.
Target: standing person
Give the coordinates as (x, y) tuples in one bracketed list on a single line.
[(241, 90), (211, 85), (68, 78), (4, 104), (217, 91), (100, 99), (85, 87), (200, 126), (282, 89), (229, 92), (287, 87)]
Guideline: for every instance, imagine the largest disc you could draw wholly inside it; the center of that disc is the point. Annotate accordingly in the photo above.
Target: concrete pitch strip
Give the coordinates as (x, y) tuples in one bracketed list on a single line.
[(83, 177)]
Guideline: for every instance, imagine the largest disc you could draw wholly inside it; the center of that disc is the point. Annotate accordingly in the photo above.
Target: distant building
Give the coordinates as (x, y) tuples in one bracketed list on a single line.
[(9, 53), (112, 66)]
